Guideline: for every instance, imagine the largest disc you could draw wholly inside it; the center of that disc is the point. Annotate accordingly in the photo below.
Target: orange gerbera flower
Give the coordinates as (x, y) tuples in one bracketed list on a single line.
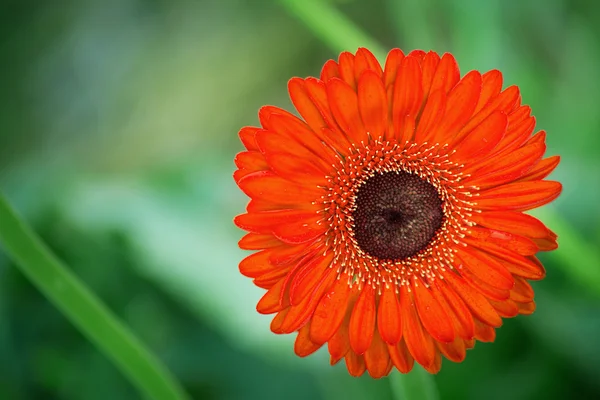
[(390, 219)]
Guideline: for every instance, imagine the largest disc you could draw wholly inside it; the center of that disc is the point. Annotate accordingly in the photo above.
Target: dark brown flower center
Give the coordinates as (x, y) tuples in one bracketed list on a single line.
[(397, 214)]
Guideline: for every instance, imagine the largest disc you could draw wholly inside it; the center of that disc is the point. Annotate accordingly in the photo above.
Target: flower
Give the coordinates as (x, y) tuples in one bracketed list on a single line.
[(390, 218)]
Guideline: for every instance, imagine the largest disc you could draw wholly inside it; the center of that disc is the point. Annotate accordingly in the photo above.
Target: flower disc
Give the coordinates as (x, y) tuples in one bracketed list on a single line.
[(396, 215)]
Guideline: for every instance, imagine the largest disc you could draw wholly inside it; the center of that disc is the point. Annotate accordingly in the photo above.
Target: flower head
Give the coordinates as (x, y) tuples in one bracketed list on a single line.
[(389, 220)]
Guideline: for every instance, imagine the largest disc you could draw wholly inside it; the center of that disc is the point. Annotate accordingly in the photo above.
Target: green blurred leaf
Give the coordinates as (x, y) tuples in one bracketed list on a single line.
[(85, 310)]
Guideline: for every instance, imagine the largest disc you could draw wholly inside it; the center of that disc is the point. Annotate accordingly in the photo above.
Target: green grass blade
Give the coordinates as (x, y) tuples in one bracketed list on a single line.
[(332, 27), (84, 309), (416, 385)]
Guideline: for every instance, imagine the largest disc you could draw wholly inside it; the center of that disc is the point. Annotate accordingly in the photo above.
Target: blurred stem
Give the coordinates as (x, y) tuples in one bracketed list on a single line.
[(416, 385), (332, 27), (84, 309)]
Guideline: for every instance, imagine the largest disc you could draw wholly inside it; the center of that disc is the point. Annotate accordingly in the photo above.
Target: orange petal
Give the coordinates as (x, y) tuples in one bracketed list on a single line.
[(429, 66), (272, 277), (309, 277), (301, 133), (377, 357), (362, 321), (491, 84), (344, 106), (270, 187), (482, 139), (504, 102), (418, 54), (300, 313), (303, 346), (355, 364), (372, 104), (455, 351), (290, 254), (406, 129), (240, 173), (257, 263), (366, 61), (296, 169), (516, 134), (478, 304), (506, 308), (401, 357), (509, 241), (446, 75), (436, 365), (305, 105), (526, 308), (522, 292), (539, 137), (265, 221), (278, 321), (390, 133), (432, 315), (272, 302), (485, 268), (247, 136), (518, 115), (460, 104), (389, 368), (526, 267), (258, 241), (484, 332), (456, 309), (267, 112), (388, 316), (418, 341), (337, 141), (330, 312), (317, 90), (432, 114), (489, 291), (346, 67), (546, 244), (392, 62), (339, 344), (250, 161), (514, 138), (469, 344), (518, 196), (508, 167), (274, 142), (511, 222), (299, 231), (330, 70), (541, 169), (408, 91), (269, 279)]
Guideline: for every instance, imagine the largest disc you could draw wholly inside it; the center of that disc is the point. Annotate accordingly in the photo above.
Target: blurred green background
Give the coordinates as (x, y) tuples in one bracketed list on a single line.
[(118, 127)]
